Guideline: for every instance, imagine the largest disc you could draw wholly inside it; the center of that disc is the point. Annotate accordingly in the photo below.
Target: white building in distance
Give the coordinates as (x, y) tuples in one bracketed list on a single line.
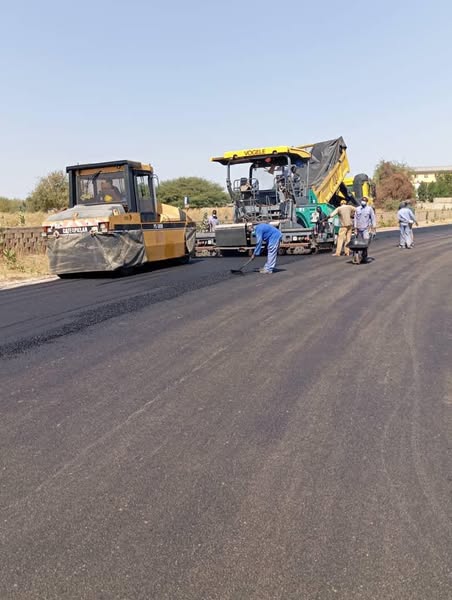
[(427, 174)]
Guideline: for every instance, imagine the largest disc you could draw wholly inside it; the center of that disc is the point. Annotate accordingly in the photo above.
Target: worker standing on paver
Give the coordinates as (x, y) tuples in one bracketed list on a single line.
[(345, 212), (406, 220), (213, 221), (316, 217), (365, 222), (271, 235)]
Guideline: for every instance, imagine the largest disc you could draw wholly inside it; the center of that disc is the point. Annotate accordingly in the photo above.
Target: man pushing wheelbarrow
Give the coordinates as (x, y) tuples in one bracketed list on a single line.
[(365, 224)]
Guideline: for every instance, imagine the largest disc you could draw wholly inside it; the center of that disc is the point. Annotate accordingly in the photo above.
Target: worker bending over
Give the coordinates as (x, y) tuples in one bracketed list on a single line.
[(271, 235)]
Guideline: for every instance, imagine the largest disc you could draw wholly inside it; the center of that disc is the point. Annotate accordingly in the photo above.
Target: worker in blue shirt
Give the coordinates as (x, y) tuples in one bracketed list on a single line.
[(271, 235), (365, 223)]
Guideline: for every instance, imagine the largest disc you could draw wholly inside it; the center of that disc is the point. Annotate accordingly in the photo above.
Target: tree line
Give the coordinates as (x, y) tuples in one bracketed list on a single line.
[(52, 192), (394, 183), (441, 188), (11, 205)]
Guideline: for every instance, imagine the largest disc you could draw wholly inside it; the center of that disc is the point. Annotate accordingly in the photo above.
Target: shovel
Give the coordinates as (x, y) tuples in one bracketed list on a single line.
[(240, 271)]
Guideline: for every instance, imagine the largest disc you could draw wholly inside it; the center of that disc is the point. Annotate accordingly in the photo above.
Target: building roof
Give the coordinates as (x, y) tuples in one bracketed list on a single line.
[(431, 169)]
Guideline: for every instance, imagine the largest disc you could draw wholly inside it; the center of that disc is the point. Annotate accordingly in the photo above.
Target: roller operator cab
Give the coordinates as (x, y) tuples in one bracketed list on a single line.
[(115, 221)]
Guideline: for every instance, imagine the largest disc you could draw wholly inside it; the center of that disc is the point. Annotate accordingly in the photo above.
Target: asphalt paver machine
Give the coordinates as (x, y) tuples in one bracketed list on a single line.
[(282, 185)]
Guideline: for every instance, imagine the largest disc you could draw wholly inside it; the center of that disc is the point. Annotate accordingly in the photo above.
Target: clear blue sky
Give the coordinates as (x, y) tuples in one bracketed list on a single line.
[(174, 83)]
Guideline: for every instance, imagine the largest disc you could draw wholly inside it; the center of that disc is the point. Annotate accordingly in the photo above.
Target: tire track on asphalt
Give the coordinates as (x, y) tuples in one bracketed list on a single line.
[(407, 301), (107, 435)]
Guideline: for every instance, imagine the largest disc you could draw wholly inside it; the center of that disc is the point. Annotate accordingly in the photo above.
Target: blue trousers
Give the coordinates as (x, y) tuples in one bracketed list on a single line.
[(272, 253)]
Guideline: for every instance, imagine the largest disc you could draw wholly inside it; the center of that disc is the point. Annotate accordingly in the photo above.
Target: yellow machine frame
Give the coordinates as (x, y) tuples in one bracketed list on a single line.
[(321, 194), (118, 231)]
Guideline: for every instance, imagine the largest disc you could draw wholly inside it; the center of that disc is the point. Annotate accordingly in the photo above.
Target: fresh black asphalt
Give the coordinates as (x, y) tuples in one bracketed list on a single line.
[(184, 433)]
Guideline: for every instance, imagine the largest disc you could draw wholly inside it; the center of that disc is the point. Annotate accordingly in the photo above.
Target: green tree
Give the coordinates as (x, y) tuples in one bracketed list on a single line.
[(52, 191), (422, 192), (443, 185), (200, 192), (394, 181), (431, 191), (426, 191), (10, 205), (441, 188)]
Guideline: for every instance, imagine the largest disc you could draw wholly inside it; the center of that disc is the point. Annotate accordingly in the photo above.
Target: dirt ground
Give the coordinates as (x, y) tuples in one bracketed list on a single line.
[(20, 269)]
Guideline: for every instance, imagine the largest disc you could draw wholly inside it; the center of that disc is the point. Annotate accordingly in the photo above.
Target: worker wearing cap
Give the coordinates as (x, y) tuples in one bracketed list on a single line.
[(406, 220), (213, 221), (365, 222), (345, 212), (272, 237)]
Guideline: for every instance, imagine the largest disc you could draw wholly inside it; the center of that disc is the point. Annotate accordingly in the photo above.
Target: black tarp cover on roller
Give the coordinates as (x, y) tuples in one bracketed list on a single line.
[(84, 253)]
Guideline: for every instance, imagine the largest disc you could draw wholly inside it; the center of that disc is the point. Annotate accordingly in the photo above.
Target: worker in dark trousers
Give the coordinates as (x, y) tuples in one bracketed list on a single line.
[(271, 235)]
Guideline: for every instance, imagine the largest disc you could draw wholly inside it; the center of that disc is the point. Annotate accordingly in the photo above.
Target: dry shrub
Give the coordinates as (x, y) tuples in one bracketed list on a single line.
[(30, 219), (397, 186), (23, 266)]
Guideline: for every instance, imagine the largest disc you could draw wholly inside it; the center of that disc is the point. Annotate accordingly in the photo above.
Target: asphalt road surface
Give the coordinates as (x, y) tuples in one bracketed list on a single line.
[(185, 433)]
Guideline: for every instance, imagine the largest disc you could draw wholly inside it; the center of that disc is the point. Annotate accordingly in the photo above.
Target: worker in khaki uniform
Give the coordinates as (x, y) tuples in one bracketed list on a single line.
[(345, 212)]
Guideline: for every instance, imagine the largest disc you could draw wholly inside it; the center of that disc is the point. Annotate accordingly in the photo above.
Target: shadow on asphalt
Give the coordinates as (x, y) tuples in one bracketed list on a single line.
[(370, 259), (256, 272), (129, 271)]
